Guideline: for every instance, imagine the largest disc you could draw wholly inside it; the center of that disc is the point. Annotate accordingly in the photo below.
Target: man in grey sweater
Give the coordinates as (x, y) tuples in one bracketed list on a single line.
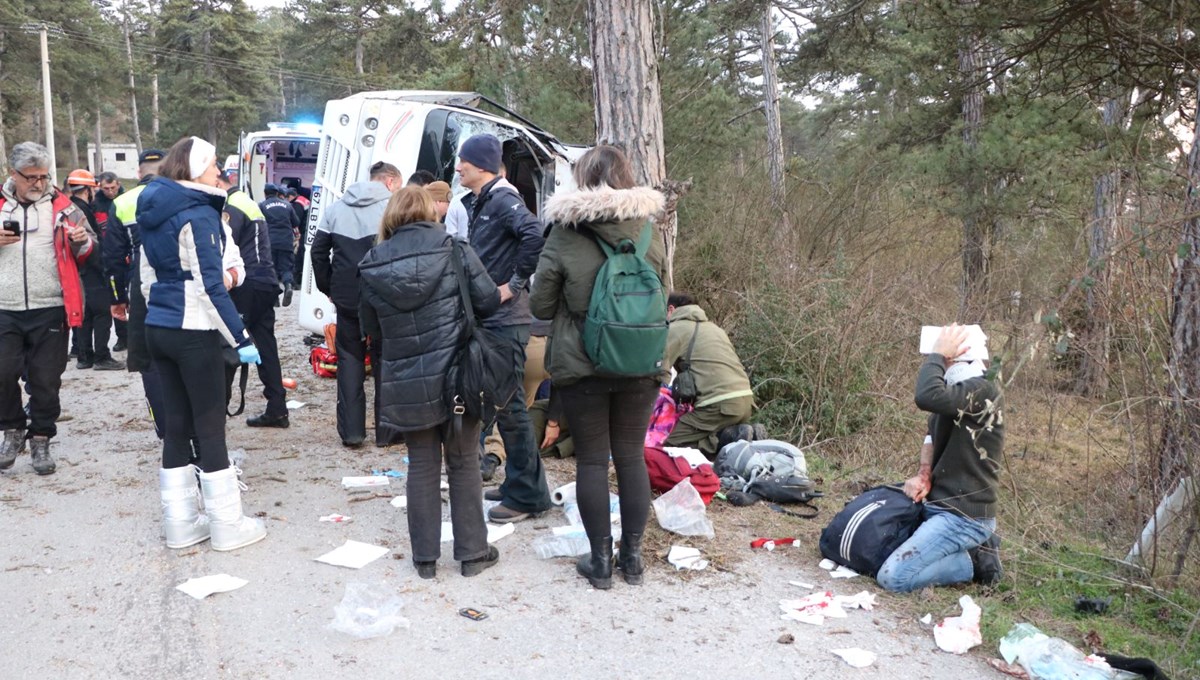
[(958, 476)]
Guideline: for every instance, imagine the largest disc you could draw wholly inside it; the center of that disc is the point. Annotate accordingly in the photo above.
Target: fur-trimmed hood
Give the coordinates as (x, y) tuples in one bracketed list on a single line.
[(604, 204)]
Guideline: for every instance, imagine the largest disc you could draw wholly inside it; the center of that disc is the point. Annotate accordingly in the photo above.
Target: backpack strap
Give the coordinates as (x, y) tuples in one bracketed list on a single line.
[(464, 292)]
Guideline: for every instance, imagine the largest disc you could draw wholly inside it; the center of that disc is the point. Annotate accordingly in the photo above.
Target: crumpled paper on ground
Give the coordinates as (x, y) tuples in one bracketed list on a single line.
[(204, 586), (353, 554), (686, 558), (495, 532), (836, 570), (813, 609), (364, 482), (335, 518), (858, 658), (400, 502), (957, 634)]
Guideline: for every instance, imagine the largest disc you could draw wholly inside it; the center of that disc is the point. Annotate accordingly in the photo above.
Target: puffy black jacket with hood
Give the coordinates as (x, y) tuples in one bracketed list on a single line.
[(508, 239), (411, 299), (347, 231)]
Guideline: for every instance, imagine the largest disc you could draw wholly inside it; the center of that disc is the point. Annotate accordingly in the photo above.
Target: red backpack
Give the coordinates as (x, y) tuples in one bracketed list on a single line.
[(666, 471)]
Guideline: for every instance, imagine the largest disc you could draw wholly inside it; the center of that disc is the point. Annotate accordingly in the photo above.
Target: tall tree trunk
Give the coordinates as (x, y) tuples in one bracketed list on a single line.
[(976, 247), (206, 40), (3, 141), (154, 118), (1181, 427), (625, 87), (74, 133), (282, 91), (774, 125), (359, 49), (133, 110), (98, 155), (1096, 336)]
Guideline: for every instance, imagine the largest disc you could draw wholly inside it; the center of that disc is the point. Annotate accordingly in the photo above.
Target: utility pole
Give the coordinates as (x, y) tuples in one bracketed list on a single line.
[(47, 101)]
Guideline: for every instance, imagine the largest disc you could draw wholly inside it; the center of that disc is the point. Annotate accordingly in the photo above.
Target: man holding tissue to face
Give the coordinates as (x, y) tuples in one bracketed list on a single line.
[(959, 468)]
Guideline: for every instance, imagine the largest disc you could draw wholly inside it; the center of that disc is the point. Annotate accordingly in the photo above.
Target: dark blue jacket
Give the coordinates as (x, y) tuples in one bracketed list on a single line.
[(182, 237), (508, 240), (249, 230), (282, 222)]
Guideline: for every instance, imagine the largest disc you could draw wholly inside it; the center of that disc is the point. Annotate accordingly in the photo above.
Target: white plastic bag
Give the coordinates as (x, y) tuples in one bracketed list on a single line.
[(368, 611), (681, 510), (957, 634)]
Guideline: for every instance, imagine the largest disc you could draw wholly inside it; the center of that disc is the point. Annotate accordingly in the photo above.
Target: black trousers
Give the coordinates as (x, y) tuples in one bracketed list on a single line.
[(33, 343), (610, 415), (191, 370), (285, 261), (257, 307), (120, 329), (97, 323), (351, 374)]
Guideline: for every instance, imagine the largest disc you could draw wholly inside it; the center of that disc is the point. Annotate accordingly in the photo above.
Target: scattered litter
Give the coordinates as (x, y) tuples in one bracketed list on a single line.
[(858, 658), (204, 586), (681, 510), (495, 532), (771, 543), (289, 383), (292, 404), (561, 545), (927, 619), (1092, 605), (364, 482), (444, 485), (827, 565), (472, 613), (800, 584), (957, 634), (368, 611), (843, 572), (1046, 657), (336, 519), (237, 457), (353, 554), (1001, 666), (694, 457), (394, 474), (400, 502), (563, 494), (813, 609), (786, 639), (404, 460), (686, 558)]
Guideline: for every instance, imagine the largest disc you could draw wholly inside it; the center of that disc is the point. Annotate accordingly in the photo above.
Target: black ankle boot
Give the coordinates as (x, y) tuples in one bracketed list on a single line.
[(629, 562), (597, 565), (985, 560)]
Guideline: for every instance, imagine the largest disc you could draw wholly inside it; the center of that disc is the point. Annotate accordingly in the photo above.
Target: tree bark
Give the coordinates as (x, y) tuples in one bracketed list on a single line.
[(774, 125), (133, 110), (3, 140), (628, 99), (1181, 428), (154, 118), (976, 253), (206, 40), (74, 134), (282, 91), (1096, 336), (98, 155)]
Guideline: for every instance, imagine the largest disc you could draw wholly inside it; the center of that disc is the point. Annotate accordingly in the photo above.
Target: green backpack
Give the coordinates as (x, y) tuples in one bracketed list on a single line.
[(625, 333)]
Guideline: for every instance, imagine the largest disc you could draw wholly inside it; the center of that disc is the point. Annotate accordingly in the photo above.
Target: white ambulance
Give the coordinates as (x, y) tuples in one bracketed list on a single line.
[(284, 154), (422, 130)]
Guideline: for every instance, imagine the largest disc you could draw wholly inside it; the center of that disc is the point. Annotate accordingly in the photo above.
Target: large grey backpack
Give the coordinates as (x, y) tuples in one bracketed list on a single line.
[(751, 460)]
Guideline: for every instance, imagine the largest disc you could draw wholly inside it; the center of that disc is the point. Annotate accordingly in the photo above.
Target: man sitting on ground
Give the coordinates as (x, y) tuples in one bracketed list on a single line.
[(958, 475), (724, 397)]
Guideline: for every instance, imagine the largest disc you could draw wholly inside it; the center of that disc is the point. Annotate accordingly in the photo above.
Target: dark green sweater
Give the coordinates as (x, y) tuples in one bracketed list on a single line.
[(966, 423)]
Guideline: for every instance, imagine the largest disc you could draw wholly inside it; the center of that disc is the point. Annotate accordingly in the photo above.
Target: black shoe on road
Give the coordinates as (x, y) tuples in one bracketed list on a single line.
[(487, 466), (265, 420), (109, 364), (120, 346), (493, 495), (84, 364)]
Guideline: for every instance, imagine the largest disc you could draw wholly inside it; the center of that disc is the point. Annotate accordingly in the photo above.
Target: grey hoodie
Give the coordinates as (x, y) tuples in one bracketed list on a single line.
[(345, 234)]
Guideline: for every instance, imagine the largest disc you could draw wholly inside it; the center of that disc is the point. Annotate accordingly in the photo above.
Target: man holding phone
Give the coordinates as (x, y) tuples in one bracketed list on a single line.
[(45, 237)]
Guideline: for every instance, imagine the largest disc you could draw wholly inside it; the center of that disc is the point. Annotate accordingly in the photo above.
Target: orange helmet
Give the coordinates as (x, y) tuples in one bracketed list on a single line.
[(81, 178)]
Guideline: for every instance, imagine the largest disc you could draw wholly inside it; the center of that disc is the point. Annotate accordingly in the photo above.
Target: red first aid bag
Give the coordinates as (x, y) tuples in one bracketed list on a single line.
[(324, 362), (666, 471)]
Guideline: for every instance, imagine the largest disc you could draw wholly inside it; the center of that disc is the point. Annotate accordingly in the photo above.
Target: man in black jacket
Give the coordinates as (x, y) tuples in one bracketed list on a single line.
[(508, 239), (284, 226), (102, 206), (348, 229), (97, 316)]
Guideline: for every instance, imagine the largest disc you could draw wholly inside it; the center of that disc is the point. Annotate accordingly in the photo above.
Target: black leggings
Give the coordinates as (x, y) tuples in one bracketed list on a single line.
[(192, 372), (610, 415)]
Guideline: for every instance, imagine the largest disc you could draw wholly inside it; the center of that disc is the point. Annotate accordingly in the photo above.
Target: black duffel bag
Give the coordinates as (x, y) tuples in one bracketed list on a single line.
[(870, 528)]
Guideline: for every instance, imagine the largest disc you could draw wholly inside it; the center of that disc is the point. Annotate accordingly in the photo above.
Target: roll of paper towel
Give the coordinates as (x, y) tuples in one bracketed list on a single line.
[(563, 494)]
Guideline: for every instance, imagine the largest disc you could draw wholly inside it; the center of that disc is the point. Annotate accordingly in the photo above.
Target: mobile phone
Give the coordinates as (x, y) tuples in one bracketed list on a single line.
[(472, 613), (13, 227)]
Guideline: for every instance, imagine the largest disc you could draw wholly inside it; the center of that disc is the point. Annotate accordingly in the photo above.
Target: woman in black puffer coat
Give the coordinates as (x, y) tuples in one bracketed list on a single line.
[(411, 300)]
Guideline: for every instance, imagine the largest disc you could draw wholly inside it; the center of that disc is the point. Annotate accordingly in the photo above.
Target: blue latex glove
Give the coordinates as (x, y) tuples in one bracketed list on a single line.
[(249, 355)]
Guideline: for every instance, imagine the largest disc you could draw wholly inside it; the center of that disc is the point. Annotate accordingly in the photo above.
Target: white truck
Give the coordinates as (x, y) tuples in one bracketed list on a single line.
[(421, 130), (284, 154)]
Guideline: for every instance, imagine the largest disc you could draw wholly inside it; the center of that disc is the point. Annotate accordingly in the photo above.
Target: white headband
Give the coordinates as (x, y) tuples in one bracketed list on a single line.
[(202, 157)]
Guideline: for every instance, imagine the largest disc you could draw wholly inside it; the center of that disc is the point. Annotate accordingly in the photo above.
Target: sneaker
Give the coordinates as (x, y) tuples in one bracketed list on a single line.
[(109, 364), (478, 565), (84, 364), (39, 450), (487, 466), (493, 495), (287, 294), (352, 443), (14, 444), (265, 420), (506, 515), (120, 346)]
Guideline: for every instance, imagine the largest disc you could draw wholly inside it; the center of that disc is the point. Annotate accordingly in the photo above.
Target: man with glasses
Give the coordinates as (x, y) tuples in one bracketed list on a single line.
[(43, 239)]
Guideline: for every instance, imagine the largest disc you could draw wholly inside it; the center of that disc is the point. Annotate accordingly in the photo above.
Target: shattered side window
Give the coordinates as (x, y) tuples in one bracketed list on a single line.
[(459, 128)]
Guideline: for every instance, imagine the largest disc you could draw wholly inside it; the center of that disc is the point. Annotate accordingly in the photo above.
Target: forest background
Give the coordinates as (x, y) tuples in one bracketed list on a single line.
[(857, 168)]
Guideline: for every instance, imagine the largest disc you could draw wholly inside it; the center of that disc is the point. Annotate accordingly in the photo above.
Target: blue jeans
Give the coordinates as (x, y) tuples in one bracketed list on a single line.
[(524, 488), (936, 554)]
